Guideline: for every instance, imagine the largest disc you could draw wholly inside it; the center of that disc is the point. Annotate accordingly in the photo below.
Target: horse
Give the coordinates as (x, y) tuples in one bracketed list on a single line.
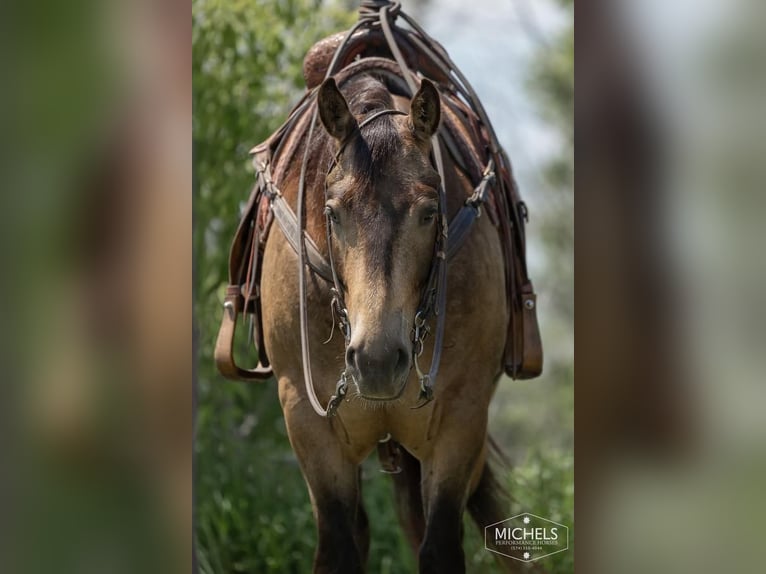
[(372, 208)]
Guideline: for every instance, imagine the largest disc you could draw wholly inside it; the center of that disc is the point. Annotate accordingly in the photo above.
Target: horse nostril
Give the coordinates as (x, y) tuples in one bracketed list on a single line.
[(351, 357), (403, 361)]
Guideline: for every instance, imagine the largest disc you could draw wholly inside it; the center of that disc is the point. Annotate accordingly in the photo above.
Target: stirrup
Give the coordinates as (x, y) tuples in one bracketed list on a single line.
[(224, 346)]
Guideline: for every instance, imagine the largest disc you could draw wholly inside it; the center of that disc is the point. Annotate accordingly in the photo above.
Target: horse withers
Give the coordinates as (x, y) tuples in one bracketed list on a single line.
[(375, 215)]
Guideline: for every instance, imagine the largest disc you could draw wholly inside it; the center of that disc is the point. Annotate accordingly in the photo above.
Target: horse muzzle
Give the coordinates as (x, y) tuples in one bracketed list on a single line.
[(379, 370)]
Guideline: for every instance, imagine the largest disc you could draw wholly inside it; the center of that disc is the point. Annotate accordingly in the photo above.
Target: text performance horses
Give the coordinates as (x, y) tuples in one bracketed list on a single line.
[(376, 183)]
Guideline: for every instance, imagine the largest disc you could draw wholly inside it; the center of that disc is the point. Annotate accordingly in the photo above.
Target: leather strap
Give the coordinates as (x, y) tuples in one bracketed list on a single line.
[(461, 224), (224, 346), (302, 287), (288, 223)]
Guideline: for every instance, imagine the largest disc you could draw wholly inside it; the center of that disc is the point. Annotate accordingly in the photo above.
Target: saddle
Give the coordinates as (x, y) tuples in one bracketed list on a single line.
[(398, 56)]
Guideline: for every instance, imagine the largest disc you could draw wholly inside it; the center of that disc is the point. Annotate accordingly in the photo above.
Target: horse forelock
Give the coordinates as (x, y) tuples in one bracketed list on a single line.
[(369, 152)]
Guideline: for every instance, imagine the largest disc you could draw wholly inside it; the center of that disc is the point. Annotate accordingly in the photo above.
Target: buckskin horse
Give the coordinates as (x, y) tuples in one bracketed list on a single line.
[(376, 182)]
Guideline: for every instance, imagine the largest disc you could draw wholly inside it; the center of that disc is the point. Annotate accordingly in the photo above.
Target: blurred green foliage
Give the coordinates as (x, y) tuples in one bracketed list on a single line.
[(252, 510)]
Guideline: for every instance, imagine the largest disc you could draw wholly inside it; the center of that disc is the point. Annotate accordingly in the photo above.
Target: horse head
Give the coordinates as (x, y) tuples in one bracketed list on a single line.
[(382, 209)]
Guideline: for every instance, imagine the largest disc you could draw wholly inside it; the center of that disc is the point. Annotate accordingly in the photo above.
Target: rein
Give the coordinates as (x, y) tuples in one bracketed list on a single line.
[(434, 299), (435, 291)]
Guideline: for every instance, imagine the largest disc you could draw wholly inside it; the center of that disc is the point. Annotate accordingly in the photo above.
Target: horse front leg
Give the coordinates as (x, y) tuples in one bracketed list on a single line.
[(334, 488), (343, 533), (342, 526), (449, 475)]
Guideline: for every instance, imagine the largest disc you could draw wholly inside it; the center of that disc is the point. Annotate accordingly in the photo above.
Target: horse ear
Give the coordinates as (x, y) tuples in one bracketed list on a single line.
[(334, 112), (425, 110)]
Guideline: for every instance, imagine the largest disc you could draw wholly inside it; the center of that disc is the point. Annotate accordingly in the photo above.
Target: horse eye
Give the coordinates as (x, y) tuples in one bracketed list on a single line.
[(328, 211), (428, 217)]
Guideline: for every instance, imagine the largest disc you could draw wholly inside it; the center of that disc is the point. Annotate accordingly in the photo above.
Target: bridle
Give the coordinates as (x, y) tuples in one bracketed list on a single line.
[(426, 306), (433, 299)]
